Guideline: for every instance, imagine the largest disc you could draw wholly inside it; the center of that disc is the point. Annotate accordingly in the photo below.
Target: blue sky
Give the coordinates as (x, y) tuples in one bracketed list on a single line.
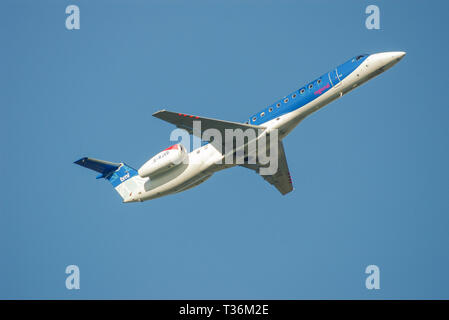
[(370, 170)]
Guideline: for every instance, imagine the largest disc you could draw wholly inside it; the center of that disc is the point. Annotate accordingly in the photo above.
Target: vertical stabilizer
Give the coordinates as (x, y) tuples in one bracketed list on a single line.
[(123, 178)]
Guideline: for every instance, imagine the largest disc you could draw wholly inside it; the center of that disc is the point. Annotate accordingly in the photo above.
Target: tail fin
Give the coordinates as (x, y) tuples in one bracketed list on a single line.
[(123, 178)]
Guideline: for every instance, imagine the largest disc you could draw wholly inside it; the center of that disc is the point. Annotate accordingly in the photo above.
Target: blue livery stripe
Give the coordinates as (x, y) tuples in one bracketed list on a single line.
[(308, 93)]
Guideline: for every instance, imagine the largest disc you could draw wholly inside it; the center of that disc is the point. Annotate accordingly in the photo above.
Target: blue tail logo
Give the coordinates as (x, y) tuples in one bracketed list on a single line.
[(122, 174)]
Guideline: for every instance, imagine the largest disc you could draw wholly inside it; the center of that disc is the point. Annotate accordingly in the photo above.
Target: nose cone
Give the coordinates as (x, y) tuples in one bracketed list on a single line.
[(386, 60), (397, 55)]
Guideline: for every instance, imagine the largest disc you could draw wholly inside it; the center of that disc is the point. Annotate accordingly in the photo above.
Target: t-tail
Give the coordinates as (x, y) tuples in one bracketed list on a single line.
[(124, 179)]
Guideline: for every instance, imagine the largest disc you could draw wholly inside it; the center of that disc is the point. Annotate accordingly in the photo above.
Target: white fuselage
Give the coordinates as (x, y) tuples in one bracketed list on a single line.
[(202, 162)]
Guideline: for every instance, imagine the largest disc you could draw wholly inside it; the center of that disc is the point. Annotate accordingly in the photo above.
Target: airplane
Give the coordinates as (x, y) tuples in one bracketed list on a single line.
[(175, 169)]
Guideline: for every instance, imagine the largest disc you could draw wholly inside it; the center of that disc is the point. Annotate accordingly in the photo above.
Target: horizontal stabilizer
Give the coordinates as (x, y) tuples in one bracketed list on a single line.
[(103, 167)]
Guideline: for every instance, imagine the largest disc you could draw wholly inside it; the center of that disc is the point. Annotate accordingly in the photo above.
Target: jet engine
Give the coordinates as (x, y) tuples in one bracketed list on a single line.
[(164, 161)]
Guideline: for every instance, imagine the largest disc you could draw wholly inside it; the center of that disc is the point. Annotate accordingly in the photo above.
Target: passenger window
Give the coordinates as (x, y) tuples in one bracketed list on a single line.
[(311, 86), (286, 100), (302, 91), (262, 114), (271, 109), (254, 119), (294, 96), (319, 81), (278, 105)]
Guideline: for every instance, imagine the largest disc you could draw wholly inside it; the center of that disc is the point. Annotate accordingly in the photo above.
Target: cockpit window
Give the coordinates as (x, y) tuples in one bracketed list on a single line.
[(360, 57)]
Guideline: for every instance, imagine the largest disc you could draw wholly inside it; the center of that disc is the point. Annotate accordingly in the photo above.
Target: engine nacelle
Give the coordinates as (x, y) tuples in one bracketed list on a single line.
[(163, 161)]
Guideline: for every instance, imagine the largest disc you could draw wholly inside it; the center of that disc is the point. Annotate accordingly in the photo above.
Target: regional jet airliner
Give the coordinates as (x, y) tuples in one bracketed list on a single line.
[(175, 169)]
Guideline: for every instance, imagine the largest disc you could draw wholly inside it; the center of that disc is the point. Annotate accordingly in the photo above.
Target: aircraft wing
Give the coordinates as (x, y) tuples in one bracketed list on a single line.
[(281, 179), (185, 121)]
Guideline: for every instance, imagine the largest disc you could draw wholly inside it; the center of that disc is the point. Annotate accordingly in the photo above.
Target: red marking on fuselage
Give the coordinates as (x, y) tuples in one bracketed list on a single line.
[(320, 91), (175, 146)]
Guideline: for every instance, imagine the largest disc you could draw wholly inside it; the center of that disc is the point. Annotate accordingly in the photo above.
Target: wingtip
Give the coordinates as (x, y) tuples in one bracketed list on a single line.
[(159, 111), (80, 161)]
